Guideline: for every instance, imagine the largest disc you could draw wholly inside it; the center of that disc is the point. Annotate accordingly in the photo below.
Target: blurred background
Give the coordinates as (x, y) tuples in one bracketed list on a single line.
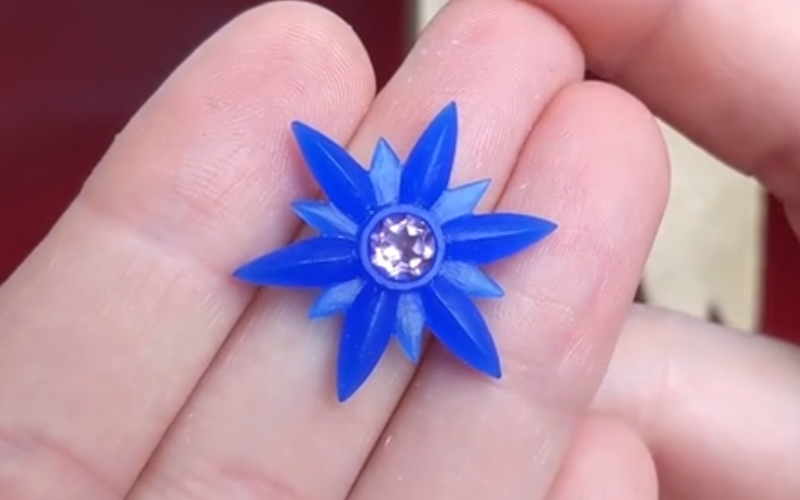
[(73, 73)]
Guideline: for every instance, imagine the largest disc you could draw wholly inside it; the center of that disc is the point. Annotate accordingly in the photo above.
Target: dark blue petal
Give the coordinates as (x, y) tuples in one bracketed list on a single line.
[(340, 176), (368, 326), (325, 218), (485, 238), (336, 299), (470, 279), (428, 166), (385, 173), (455, 203), (410, 325), (315, 262), (457, 323)]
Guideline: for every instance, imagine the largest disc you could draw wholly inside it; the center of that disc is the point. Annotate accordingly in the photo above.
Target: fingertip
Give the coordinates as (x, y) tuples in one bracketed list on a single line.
[(265, 43), (622, 129), (212, 150), (606, 461), (306, 28), (611, 32), (638, 125)]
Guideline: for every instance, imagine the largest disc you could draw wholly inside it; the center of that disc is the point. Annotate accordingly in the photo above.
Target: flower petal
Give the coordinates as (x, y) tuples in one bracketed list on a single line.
[(470, 279), (428, 166), (385, 173), (315, 262), (455, 203), (366, 332), (457, 323), (339, 175), (336, 299), (325, 218), (410, 325), (485, 238)]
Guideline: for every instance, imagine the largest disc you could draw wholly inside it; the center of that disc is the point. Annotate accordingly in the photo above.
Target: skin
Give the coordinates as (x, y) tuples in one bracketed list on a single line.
[(133, 366)]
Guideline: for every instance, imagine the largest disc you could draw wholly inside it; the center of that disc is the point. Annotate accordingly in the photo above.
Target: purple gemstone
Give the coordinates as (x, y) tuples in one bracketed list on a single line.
[(402, 247)]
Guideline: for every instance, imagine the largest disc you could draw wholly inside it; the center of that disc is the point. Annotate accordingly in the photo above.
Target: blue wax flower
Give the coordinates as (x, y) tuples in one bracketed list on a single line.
[(397, 251)]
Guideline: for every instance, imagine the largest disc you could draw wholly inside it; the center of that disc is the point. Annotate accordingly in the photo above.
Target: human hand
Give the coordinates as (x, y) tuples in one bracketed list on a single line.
[(132, 365), (718, 409)]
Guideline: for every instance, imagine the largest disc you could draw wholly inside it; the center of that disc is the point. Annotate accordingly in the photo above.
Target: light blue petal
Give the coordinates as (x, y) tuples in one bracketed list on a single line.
[(341, 178), (385, 173), (325, 218), (315, 262), (470, 279), (336, 299), (429, 165), (410, 325), (485, 238), (455, 203), (459, 326), (366, 332)]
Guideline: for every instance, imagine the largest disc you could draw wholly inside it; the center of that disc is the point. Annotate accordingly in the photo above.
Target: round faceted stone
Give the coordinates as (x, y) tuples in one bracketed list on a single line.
[(402, 247)]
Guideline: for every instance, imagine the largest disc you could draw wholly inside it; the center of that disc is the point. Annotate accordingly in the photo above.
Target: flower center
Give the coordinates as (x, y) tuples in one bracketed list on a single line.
[(402, 247)]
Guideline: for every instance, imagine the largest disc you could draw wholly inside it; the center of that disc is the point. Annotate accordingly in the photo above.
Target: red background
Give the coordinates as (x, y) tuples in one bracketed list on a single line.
[(74, 72)]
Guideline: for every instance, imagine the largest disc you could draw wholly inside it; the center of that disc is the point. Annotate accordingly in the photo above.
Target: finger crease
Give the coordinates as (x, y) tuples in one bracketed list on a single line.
[(29, 455)]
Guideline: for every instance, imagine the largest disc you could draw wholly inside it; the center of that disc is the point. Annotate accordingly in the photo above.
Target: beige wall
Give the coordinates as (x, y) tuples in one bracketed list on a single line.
[(707, 250)]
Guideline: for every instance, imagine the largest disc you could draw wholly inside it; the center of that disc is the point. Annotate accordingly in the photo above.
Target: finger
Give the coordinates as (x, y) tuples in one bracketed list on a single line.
[(717, 70), (718, 408), (606, 461), (109, 324), (291, 426), (595, 153)]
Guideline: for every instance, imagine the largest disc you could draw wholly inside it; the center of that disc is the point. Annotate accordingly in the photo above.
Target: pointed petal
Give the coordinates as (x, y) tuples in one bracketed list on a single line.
[(428, 166), (470, 279), (457, 323), (410, 325), (325, 218), (366, 332), (315, 262), (385, 173), (460, 201), (339, 175), (485, 238), (336, 299)]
